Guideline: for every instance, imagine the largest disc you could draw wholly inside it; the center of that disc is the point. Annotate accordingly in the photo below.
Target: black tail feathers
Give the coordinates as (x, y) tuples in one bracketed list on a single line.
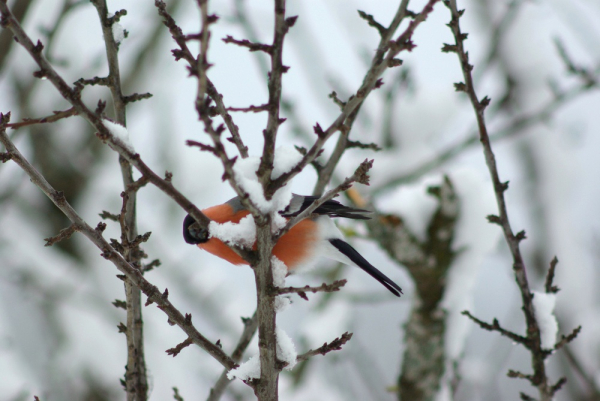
[(361, 262)]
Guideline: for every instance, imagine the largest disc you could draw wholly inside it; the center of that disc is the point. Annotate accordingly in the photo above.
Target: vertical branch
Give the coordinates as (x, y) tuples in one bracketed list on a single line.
[(539, 378), (136, 384), (267, 387), (277, 69), (202, 63)]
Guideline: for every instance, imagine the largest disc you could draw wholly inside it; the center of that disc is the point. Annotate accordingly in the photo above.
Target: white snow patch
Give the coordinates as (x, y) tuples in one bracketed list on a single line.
[(118, 32), (119, 133), (244, 171), (543, 304), (285, 160), (247, 370), (334, 319), (286, 350), (474, 239), (279, 271), (242, 234), (282, 302), (413, 204)]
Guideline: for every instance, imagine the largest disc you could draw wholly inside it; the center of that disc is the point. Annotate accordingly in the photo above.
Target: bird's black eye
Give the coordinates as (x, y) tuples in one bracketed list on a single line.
[(192, 233)]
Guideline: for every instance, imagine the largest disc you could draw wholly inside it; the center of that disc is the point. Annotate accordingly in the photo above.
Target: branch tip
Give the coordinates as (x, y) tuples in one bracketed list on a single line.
[(117, 303), (177, 349)]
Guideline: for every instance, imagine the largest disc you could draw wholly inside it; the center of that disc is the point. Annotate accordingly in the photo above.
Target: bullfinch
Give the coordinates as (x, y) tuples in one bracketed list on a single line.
[(314, 236)]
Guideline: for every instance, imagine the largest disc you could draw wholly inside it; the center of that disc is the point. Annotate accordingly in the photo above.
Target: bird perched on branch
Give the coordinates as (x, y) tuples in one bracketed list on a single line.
[(314, 236)]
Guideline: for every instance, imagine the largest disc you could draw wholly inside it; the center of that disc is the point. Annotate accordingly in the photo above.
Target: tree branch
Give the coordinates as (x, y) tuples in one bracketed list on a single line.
[(539, 378), (384, 58), (335, 345), (109, 253), (301, 291), (250, 326)]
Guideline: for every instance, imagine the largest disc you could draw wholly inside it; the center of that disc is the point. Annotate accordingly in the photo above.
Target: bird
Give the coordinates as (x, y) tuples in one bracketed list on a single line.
[(311, 237)]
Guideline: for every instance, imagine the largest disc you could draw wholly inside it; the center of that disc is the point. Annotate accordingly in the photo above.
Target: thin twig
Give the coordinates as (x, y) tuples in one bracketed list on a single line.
[(62, 235), (250, 326), (253, 109), (282, 25), (360, 175), (202, 63), (301, 291), (495, 326), (550, 288), (253, 47), (335, 345), (177, 349), (383, 59), (57, 115)]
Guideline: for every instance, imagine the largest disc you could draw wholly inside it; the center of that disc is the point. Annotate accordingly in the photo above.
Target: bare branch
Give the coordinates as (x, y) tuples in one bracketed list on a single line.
[(250, 326), (201, 63), (176, 395), (495, 326), (108, 252), (539, 378), (360, 175), (551, 289), (253, 47), (335, 345), (64, 234), (253, 109), (567, 339), (104, 134), (387, 51), (57, 115), (176, 350), (301, 291), (371, 21)]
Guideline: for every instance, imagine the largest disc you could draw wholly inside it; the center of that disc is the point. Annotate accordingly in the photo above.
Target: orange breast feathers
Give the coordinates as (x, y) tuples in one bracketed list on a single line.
[(296, 247)]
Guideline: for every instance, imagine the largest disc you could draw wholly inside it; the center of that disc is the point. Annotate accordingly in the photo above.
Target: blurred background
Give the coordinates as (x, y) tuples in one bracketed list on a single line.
[(538, 62)]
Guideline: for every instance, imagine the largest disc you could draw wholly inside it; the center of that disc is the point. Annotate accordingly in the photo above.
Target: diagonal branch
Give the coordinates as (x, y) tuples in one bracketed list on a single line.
[(73, 97), (250, 326), (109, 253), (360, 175), (384, 58)]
